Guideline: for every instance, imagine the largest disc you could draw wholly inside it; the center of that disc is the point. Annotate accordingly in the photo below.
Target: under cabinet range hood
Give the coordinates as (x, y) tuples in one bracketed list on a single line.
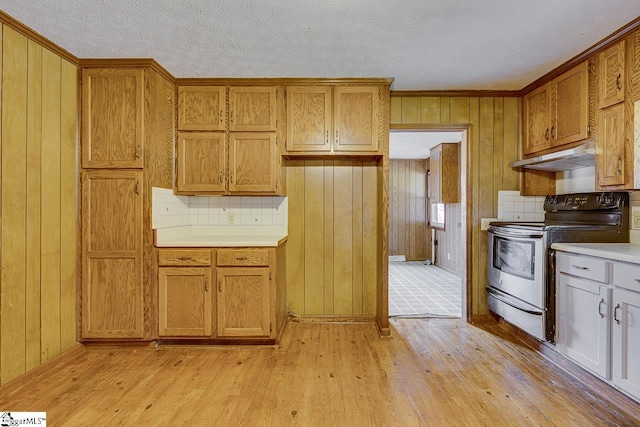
[(573, 158)]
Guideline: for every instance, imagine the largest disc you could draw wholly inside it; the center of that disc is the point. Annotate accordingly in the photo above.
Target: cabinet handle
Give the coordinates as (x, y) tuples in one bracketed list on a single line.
[(618, 169), (206, 284), (599, 308), (579, 267), (615, 314), (553, 132), (231, 177), (546, 134), (137, 151), (220, 116), (336, 136), (185, 258), (327, 136), (220, 284), (241, 258), (220, 177), (137, 189), (231, 117), (637, 280), (618, 84)]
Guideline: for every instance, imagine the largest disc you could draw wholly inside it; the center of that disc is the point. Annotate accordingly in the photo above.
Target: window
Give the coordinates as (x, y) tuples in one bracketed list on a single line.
[(436, 215)]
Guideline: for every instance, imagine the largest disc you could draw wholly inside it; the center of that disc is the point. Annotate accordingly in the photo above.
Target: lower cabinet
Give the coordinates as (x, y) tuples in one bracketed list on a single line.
[(598, 312), (221, 293), (626, 341), (583, 322)]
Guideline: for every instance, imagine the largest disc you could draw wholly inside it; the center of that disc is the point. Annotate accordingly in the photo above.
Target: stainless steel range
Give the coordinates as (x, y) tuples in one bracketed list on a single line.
[(522, 265)]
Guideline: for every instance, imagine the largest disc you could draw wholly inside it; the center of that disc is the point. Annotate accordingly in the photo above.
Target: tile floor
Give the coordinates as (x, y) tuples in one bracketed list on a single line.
[(420, 290)]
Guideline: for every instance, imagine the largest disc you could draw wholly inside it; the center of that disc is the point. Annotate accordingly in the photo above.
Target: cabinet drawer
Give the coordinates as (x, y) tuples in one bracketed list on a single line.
[(246, 257), (583, 266), (184, 257), (627, 276)]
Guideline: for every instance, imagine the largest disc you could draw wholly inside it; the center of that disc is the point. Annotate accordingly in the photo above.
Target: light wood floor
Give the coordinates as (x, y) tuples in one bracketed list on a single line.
[(431, 372)]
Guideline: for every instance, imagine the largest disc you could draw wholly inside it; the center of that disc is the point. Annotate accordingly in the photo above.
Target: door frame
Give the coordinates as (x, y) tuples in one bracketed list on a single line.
[(467, 230)]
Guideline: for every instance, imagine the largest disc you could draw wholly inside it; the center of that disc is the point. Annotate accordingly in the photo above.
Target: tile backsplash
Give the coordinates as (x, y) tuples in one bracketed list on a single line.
[(170, 210), (514, 207)]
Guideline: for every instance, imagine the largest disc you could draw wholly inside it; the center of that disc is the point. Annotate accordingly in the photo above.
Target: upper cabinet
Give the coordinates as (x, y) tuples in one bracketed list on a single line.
[(332, 119), (557, 113), (202, 108), (444, 179), (238, 156), (112, 117), (252, 108), (612, 75)]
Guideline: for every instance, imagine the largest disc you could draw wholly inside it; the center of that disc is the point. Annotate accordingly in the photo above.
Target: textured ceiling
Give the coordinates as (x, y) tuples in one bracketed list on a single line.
[(423, 44)]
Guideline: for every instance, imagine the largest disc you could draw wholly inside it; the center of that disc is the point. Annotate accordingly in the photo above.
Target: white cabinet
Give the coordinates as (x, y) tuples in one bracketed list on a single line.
[(626, 328), (583, 317), (598, 317)]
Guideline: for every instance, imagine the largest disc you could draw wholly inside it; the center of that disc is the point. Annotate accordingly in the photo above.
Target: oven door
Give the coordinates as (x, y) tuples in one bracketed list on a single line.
[(517, 263)]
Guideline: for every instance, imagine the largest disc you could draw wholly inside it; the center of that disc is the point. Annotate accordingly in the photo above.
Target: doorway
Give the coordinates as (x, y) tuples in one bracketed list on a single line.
[(427, 240)]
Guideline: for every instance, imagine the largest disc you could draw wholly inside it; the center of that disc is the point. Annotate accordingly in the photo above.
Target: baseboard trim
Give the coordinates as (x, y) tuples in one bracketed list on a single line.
[(331, 319)]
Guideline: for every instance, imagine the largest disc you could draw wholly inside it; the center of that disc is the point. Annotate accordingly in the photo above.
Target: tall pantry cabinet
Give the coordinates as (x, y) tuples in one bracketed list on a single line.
[(127, 140)]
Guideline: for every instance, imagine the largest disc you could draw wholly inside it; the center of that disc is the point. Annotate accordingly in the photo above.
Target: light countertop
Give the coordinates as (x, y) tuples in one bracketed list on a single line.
[(221, 236), (627, 252)]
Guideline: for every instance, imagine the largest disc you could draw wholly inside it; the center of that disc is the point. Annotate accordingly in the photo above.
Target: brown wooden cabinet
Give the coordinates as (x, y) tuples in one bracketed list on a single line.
[(245, 293), (444, 179), (200, 162), (112, 116), (557, 113), (612, 75), (253, 162), (202, 108), (185, 293), (112, 291), (325, 118), (610, 157), (252, 108), (128, 114), (222, 293)]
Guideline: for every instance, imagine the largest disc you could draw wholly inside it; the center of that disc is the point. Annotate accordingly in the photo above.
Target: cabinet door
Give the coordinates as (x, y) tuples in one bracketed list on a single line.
[(583, 318), (243, 302), (570, 118), (612, 75), (308, 118), (184, 302), (252, 108), (435, 174), (253, 162), (536, 113), (201, 162), (202, 107), (610, 157), (355, 120), (626, 341), (112, 304), (112, 117)]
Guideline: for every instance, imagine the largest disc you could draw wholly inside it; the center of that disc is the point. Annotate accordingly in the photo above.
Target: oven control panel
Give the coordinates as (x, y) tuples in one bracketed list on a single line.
[(585, 201)]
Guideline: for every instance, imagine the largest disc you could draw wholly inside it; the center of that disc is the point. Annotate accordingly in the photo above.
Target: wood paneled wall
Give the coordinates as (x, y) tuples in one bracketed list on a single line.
[(38, 205), (493, 136), (407, 209), (332, 254)]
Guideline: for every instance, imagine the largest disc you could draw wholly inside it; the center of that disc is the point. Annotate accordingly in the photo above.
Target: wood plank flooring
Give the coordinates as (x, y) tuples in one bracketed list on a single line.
[(431, 372)]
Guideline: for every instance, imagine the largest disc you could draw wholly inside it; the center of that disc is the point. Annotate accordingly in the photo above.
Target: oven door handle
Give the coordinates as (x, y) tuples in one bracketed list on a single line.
[(517, 234), (500, 298)]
